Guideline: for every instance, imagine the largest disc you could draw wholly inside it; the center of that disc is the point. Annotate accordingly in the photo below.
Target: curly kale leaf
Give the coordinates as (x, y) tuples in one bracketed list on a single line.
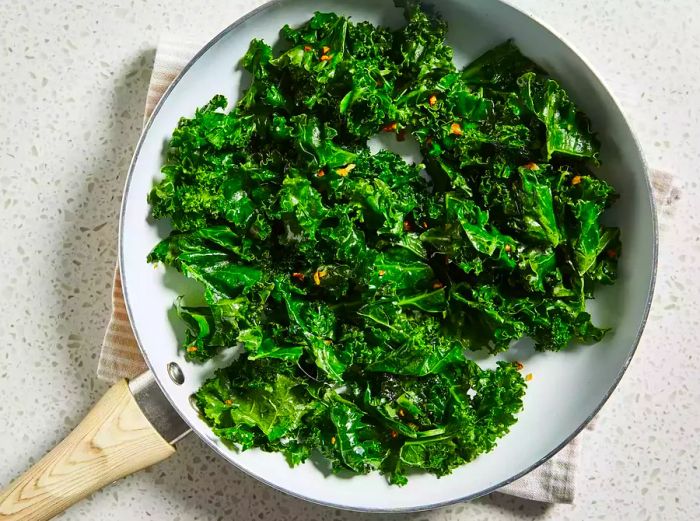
[(396, 424), (568, 130)]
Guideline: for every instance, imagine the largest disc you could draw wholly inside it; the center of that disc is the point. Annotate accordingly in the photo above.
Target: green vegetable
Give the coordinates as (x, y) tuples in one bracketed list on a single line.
[(353, 282)]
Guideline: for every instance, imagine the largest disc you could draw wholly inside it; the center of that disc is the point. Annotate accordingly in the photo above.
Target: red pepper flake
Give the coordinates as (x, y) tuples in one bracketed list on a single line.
[(320, 173), (518, 365), (192, 349), (228, 402), (425, 224), (407, 226), (325, 58), (394, 434), (508, 247), (307, 48), (326, 49), (332, 440), (318, 275), (432, 100), (437, 285), (391, 127), (528, 377), (298, 276), (342, 172), (531, 166), (402, 413), (456, 129), (382, 273), (612, 254), (576, 180)]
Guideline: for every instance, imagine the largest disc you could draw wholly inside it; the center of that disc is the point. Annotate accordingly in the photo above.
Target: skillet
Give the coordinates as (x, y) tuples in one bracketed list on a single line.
[(136, 424)]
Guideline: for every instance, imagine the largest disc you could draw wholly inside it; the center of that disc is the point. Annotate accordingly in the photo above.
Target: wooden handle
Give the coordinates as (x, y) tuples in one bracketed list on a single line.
[(114, 440)]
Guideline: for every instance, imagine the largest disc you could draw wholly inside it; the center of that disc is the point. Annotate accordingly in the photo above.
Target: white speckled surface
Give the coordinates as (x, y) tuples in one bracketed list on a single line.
[(72, 82)]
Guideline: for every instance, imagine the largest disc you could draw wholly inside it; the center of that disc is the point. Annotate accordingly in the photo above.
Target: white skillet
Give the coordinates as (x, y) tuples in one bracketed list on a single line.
[(567, 389)]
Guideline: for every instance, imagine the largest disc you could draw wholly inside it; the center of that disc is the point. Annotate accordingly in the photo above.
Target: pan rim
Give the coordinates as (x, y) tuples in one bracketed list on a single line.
[(430, 506)]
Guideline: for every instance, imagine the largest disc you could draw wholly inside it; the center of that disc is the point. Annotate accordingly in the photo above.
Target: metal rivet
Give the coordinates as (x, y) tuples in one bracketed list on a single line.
[(175, 373), (193, 402)]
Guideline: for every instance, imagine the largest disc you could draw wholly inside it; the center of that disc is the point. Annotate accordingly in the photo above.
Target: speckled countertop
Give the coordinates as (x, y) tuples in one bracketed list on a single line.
[(73, 76)]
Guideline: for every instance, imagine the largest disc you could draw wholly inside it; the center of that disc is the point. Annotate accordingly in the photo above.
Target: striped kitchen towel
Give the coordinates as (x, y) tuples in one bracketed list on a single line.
[(552, 482)]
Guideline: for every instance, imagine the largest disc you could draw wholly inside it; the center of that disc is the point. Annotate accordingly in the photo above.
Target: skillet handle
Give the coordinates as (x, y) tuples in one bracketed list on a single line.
[(114, 440)]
